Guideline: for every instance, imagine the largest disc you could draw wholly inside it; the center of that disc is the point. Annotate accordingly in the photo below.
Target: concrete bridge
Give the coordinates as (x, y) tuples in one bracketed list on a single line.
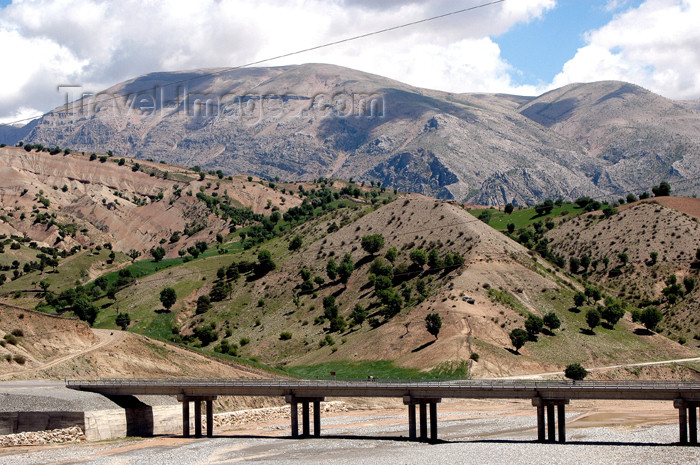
[(545, 396)]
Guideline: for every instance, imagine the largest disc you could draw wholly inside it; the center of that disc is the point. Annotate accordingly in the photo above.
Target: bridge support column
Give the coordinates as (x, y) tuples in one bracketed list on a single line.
[(294, 412), (197, 414), (412, 421), (551, 426), (423, 405), (687, 421), (210, 418), (198, 418), (185, 419), (294, 401)]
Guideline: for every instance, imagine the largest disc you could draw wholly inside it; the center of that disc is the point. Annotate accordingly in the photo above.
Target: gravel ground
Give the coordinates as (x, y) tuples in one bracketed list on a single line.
[(483, 438), (51, 396)]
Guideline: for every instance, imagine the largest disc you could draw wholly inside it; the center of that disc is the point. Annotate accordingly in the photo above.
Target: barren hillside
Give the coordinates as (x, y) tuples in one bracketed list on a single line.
[(301, 122)]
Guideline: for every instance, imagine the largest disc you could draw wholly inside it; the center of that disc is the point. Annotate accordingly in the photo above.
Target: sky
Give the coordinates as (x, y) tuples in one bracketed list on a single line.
[(521, 47)]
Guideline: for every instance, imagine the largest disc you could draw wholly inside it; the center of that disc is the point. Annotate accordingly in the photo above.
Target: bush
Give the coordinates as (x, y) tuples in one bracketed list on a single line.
[(575, 372), (20, 359), (10, 339), (18, 332), (474, 356), (372, 243), (244, 341), (285, 336)]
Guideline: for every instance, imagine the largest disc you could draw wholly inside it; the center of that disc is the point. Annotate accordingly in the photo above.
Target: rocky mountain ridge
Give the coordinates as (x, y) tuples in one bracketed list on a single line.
[(302, 122)]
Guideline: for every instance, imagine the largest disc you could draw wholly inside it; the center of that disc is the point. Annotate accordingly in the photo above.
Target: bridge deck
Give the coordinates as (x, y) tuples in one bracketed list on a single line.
[(545, 395), (472, 389)]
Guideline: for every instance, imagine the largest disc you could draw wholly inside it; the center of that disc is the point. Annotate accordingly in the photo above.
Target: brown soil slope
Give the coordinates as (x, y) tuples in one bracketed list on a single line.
[(111, 203), (55, 348), (480, 302), (638, 230)]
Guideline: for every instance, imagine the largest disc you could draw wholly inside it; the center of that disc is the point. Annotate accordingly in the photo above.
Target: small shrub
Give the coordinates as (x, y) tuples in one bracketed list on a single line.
[(285, 336)]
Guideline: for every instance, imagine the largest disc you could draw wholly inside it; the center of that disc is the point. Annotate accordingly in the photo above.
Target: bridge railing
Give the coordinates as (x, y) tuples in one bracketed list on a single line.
[(394, 383)]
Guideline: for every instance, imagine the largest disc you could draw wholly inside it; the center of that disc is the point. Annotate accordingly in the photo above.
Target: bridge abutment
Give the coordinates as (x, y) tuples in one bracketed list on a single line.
[(547, 422)]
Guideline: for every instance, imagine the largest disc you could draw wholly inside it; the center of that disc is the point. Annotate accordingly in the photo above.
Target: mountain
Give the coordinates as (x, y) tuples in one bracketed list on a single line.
[(302, 122)]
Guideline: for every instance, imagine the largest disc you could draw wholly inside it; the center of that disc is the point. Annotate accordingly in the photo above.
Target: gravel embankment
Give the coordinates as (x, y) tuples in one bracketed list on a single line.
[(51, 396)]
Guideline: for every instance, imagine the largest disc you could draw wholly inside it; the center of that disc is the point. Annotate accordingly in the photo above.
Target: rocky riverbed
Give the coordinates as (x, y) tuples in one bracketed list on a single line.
[(470, 433)]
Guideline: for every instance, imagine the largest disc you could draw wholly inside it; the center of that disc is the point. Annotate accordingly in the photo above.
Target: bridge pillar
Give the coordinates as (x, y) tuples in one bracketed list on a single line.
[(197, 414), (198, 418), (185, 419), (210, 418), (412, 421), (294, 401), (550, 422), (294, 411), (687, 421), (423, 405)]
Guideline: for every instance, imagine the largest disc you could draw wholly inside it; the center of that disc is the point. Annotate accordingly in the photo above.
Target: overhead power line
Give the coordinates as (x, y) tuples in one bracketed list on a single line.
[(297, 52)]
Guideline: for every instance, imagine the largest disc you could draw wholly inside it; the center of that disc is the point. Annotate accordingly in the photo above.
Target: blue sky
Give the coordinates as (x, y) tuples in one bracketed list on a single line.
[(539, 49), (524, 47)]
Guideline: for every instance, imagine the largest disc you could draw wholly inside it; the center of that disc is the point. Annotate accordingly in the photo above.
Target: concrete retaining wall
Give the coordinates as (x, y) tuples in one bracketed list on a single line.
[(99, 424)]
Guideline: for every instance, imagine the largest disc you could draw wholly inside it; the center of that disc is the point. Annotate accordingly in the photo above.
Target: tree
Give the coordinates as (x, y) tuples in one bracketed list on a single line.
[(85, 310), (509, 208), (295, 243), (346, 268), (123, 320), (650, 318), (358, 315), (624, 258), (592, 318), (662, 190), (158, 253), (653, 258), (134, 254), (391, 255), (419, 257), (203, 304), (332, 269), (168, 297), (574, 264), (551, 321), (592, 293), (533, 326), (631, 198), (575, 372), (265, 263), (612, 313), (511, 228), (518, 337), (372, 243), (433, 323)]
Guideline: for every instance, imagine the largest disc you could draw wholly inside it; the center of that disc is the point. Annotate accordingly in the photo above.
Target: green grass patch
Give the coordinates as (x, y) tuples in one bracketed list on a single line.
[(507, 299), (525, 217)]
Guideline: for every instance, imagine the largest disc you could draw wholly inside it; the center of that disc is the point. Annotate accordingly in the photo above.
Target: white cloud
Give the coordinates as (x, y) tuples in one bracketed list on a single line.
[(656, 45), (98, 43)]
